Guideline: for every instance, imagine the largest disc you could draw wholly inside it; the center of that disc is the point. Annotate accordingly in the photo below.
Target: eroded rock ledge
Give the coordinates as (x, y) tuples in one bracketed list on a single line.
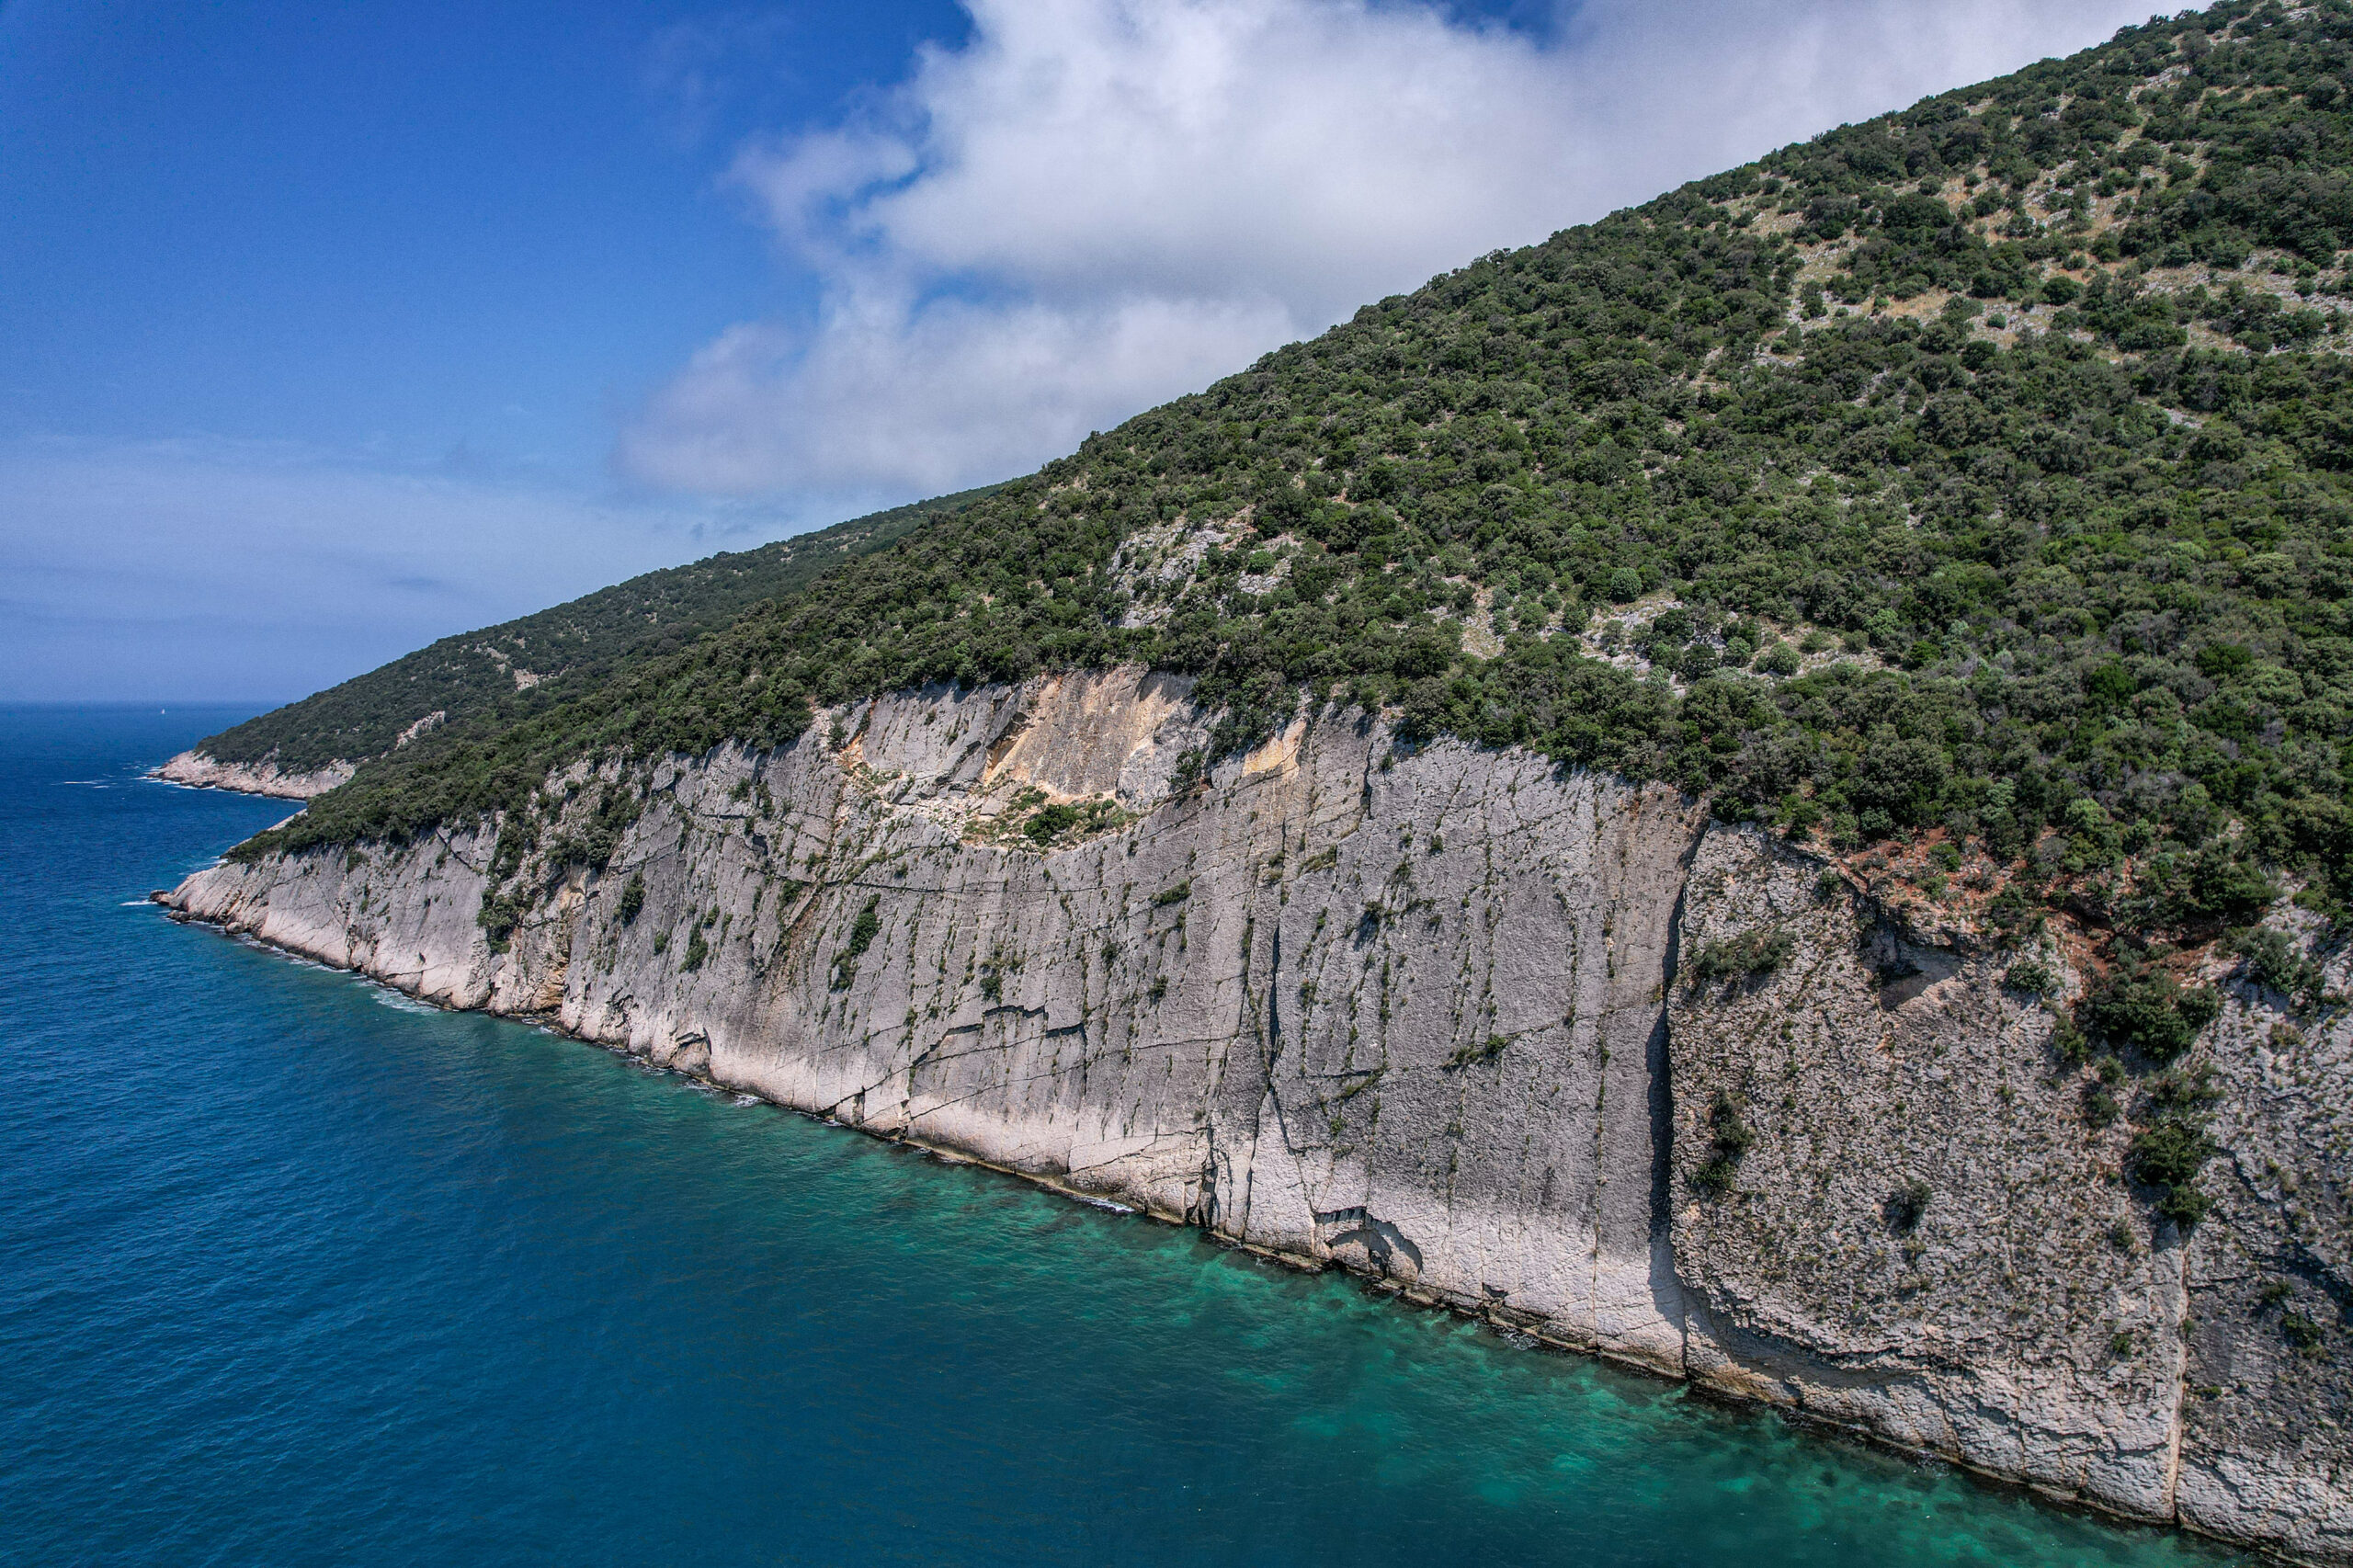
[(1416, 1012), (200, 771)]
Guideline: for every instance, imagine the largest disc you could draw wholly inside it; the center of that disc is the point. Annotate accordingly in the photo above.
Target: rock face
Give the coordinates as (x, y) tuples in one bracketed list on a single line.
[(203, 772), (2269, 1382), (1921, 1237), (1418, 1012)]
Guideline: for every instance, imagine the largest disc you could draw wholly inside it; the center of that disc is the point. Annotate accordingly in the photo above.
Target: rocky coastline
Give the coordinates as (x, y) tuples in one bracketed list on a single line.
[(199, 771), (1431, 1014)]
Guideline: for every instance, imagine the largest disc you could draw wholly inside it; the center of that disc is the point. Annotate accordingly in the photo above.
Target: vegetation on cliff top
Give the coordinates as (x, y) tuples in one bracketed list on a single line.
[(478, 674), (1986, 466)]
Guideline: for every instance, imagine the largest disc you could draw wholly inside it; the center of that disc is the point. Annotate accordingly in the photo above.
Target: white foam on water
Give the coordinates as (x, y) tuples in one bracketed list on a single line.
[(299, 961), (1103, 1203), (747, 1099)]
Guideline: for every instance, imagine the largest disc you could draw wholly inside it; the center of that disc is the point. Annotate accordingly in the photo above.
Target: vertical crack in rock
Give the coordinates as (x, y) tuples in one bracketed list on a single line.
[(1274, 1000), (1661, 1108)]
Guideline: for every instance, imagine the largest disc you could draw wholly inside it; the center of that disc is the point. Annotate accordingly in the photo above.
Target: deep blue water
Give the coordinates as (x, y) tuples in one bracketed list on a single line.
[(293, 1271)]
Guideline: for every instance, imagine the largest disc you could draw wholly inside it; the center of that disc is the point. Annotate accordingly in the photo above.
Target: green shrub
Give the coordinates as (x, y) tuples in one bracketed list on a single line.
[(2012, 909), (2168, 1155), (697, 949), (2214, 887), (1051, 822), (2185, 1092), (2069, 1042), (1729, 1139), (501, 911), (2274, 960), (1477, 1051), (863, 930), (2100, 1107), (1906, 1206), (2030, 976), (593, 842), (633, 897), (2149, 1013), (1753, 953)]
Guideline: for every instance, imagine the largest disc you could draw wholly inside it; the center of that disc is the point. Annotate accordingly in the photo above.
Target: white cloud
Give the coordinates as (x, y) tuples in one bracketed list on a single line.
[(1095, 205), (931, 400), (180, 568)]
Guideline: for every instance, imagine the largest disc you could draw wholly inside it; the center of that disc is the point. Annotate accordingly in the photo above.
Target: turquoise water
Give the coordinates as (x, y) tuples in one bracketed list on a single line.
[(293, 1271)]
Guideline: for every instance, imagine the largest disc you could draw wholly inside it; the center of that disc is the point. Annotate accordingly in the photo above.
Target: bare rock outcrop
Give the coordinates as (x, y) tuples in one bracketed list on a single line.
[(264, 778)]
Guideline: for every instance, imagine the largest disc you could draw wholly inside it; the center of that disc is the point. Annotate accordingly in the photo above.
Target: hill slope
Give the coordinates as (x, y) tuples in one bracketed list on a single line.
[(1984, 465), (465, 677), (1948, 517)]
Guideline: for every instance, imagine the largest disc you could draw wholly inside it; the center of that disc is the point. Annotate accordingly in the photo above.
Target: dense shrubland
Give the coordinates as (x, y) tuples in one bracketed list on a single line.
[(1995, 460)]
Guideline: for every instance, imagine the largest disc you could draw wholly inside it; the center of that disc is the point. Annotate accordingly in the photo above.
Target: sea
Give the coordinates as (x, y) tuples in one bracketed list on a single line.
[(295, 1270)]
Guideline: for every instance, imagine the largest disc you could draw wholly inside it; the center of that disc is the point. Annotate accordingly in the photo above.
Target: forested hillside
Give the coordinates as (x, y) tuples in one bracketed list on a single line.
[(475, 674), (1984, 468)]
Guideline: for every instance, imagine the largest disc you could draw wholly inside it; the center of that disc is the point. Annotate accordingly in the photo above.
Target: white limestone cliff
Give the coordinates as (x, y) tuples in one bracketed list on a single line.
[(1414, 1011)]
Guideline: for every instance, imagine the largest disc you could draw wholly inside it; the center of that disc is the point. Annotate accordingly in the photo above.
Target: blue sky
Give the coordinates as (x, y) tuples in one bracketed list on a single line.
[(421, 225), (329, 330)]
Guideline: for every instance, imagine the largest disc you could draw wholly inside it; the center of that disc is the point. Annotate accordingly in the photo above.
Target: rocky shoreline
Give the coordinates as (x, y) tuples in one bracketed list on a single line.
[(1525, 1335), (1426, 1014), (199, 771)]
